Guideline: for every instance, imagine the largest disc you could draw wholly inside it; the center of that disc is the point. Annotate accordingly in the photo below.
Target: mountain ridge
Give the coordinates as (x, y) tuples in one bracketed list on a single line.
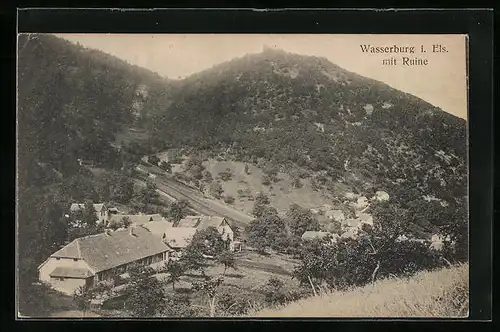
[(306, 114)]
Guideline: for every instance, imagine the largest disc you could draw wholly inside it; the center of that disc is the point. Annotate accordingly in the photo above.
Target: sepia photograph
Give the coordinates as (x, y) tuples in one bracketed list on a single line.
[(195, 176)]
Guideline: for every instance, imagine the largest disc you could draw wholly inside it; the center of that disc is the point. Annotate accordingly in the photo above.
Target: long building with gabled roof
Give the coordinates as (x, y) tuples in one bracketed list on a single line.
[(94, 258)]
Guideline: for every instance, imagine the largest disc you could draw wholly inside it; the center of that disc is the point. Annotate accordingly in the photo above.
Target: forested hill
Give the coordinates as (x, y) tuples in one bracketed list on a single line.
[(73, 101), (302, 111)]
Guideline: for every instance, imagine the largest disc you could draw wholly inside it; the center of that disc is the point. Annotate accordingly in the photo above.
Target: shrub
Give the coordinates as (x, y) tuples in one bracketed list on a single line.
[(166, 166), (296, 183), (242, 193), (226, 175), (207, 176), (266, 181), (229, 199), (216, 189), (154, 160), (276, 293)]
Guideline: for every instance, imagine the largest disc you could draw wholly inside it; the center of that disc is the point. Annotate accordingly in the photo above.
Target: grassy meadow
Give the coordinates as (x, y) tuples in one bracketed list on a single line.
[(441, 293)]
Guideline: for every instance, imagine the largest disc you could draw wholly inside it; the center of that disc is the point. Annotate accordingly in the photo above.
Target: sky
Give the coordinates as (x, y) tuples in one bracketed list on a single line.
[(442, 82)]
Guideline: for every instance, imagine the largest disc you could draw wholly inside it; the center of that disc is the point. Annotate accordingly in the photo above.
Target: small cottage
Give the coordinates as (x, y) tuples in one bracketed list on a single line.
[(100, 210), (319, 235), (336, 215)]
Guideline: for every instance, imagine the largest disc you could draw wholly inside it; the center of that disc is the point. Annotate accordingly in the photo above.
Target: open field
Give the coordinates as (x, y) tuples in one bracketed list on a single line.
[(441, 293), (246, 281), (281, 193)]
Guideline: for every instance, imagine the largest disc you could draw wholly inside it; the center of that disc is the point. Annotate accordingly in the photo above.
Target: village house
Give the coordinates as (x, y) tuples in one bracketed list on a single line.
[(178, 238), (318, 235), (85, 162), (203, 222), (336, 215), (158, 227), (136, 219), (101, 211), (350, 233), (90, 259), (381, 196)]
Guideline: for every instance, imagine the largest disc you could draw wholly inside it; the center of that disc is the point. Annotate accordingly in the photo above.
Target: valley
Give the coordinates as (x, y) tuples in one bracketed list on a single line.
[(324, 179)]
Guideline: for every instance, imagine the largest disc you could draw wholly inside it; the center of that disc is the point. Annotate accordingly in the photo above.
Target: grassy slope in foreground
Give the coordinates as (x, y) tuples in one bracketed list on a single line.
[(441, 293)]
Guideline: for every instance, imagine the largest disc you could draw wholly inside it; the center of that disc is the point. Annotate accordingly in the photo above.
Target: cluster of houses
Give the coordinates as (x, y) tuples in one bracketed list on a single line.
[(351, 227), (149, 240)]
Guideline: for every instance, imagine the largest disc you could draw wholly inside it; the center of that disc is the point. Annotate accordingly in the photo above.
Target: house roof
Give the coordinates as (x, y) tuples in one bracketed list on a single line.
[(365, 218), (158, 228), (200, 222), (350, 233), (311, 235), (102, 251), (137, 219), (336, 214), (80, 206), (210, 221), (189, 221), (179, 237), (71, 272), (353, 222)]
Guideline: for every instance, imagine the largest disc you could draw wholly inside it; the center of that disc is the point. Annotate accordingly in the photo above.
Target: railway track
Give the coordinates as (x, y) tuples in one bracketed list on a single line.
[(197, 202)]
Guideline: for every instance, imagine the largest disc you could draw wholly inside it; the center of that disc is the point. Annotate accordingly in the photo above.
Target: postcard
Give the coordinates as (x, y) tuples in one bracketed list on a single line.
[(242, 175)]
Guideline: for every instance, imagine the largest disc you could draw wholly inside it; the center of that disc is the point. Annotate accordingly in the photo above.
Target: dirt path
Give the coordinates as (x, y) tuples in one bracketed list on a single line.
[(262, 266)]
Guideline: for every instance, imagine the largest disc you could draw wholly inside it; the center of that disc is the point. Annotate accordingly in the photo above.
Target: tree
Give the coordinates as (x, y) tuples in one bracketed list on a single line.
[(226, 258), (207, 242), (34, 300), (154, 160), (267, 231), (301, 220), (178, 210), (457, 229), (126, 222), (216, 189), (261, 206), (226, 175), (236, 231), (122, 189), (376, 252), (296, 183), (89, 214), (175, 270), (148, 195), (114, 225), (274, 292), (176, 305), (166, 166), (261, 199), (82, 297), (209, 287), (207, 176), (146, 298), (229, 199), (194, 162)]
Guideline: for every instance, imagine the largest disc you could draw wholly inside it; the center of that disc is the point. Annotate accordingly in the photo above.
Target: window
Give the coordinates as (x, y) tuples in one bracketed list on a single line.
[(58, 258), (75, 259)]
